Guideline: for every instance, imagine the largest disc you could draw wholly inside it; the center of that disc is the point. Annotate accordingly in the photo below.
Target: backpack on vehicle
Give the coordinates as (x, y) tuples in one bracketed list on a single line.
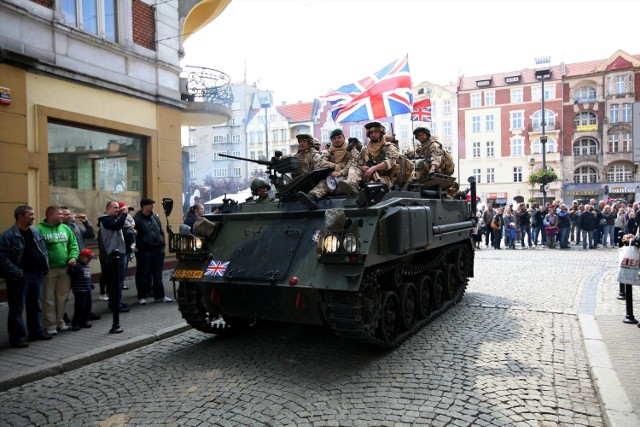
[(448, 167)]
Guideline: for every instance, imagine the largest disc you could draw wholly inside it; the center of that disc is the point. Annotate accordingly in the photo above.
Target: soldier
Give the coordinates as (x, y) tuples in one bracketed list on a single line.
[(343, 162), (430, 148), (308, 157), (378, 158), (260, 190)]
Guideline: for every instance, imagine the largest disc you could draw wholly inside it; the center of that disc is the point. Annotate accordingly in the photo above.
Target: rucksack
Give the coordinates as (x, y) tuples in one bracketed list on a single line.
[(448, 167)]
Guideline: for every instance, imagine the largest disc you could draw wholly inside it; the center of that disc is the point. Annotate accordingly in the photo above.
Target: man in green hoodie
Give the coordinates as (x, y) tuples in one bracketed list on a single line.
[(62, 248)]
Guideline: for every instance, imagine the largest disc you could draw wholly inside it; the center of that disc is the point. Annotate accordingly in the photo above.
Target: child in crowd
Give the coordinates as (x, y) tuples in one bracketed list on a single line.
[(512, 233), (81, 285)]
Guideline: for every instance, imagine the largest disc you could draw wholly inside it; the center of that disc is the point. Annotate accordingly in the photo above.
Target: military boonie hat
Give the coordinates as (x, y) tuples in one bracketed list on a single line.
[(419, 130), (336, 132), (304, 137)]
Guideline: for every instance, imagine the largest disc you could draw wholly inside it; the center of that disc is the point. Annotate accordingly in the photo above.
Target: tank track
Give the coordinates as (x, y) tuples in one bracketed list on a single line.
[(345, 311)]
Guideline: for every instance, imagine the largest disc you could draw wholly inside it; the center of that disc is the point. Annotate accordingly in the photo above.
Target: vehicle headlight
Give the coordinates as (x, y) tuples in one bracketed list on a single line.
[(197, 243), (350, 243), (331, 244)]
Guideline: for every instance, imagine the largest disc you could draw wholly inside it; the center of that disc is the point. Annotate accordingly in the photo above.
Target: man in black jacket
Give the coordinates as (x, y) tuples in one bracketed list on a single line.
[(23, 263), (588, 224), (524, 222), (150, 243)]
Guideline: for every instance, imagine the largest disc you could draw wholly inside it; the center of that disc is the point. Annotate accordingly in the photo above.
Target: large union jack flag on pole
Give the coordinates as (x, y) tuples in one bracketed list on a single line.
[(421, 111), (385, 93)]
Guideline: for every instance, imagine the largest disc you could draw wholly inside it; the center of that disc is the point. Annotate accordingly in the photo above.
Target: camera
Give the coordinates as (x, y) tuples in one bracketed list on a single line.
[(131, 209)]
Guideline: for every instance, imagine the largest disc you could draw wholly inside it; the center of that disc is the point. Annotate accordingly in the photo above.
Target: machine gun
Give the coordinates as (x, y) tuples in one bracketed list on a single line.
[(277, 164)]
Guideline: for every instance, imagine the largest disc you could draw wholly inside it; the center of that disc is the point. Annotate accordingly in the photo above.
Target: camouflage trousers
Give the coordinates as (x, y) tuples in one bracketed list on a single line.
[(353, 178)]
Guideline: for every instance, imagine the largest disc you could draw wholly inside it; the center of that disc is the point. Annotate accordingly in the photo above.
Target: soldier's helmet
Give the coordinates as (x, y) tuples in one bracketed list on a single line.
[(375, 126), (419, 130), (257, 183)]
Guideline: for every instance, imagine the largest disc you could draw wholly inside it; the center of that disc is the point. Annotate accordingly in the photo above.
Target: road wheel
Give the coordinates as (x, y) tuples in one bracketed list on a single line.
[(424, 296), (449, 283), (436, 289), (408, 303), (389, 317)]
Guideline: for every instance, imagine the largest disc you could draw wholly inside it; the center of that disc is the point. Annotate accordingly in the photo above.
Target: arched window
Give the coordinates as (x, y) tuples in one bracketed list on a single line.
[(584, 94), (585, 118), (551, 146), (585, 147), (585, 174), (550, 118), (619, 173)]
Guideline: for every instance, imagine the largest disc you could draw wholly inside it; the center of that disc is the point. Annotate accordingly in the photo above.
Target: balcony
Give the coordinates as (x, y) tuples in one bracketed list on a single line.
[(584, 158), (538, 128), (618, 156), (549, 158), (208, 95)]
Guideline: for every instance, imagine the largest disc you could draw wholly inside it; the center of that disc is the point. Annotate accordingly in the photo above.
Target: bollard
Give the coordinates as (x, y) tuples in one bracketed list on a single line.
[(621, 294), (115, 292), (629, 317)]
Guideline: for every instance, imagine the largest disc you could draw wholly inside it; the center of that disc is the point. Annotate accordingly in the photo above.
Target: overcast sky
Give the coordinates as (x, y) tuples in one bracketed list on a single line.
[(300, 49)]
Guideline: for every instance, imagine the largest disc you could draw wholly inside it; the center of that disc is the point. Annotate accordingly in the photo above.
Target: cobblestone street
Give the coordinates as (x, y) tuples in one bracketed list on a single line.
[(511, 353)]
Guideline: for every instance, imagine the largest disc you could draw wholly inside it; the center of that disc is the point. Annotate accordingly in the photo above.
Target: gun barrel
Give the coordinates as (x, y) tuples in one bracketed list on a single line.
[(260, 162)]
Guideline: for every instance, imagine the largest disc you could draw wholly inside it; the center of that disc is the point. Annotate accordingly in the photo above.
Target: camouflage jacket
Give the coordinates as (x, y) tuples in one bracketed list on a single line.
[(350, 160), (308, 160), (388, 154), (433, 149)]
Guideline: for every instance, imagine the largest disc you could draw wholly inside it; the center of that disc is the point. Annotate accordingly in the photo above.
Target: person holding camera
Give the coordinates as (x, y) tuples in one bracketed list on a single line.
[(342, 159)]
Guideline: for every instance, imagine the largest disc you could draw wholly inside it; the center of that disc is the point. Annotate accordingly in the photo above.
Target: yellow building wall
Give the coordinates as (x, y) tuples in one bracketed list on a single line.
[(24, 175)]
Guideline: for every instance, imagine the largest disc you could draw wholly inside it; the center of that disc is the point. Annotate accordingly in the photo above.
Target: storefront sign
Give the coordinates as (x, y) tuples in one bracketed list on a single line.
[(587, 128), (5, 95), (621, 190), (498, 196)]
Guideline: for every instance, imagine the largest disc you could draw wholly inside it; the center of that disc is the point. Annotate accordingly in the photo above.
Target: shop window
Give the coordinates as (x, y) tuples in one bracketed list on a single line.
[(89, 167)]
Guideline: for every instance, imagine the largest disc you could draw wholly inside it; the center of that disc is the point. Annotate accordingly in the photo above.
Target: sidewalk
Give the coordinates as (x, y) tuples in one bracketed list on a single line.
[(69, 350)]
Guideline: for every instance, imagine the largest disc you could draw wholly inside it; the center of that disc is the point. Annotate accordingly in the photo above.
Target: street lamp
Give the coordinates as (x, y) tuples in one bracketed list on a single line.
[(265, 102), (542, 70)]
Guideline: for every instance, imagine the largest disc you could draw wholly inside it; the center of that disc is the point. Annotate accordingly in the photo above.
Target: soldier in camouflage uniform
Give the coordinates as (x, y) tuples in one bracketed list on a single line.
[(308, 157), (429, 148), (378, 158), (343, 162)]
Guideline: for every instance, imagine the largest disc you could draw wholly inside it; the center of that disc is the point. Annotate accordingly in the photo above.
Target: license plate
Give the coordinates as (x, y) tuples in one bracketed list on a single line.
[(187, 274)]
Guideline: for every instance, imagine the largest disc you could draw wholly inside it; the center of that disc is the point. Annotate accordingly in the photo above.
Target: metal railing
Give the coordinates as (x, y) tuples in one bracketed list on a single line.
[(201, 84)]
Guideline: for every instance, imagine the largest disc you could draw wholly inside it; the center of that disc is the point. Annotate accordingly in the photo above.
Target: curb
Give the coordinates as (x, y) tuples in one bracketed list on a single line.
[(617, 409), (86, 358)]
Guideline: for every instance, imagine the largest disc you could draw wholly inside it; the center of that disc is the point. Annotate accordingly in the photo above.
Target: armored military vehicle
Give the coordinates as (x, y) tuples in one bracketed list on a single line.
[(376, 268)]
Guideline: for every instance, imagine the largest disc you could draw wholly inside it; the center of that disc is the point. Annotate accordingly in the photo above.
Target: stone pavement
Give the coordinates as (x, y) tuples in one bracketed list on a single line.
[(612, 347), (69, 350)]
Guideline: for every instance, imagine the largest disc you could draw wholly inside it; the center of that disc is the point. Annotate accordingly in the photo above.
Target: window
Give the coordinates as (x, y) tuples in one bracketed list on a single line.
[(93, 164), (252, 137), (550, 119), (236, 138), (192, 157), (585, 94), (619, 142), (489, 98), (476, 99), (585, 147), (283, 134), (475, 124), (216, 155), (489, 123), (220, 172), (585, 118), (98, 17), (235, 172), (517, 147), (517, 174), (490, 149), (404, 131), (626, 113), (619, 173), (275, 134), (614, 116), (620, 87), (235, 153), (446, 129), (219, 139), (476, 150), (324, 135), (447, 106), (477, 175), (516, 96), (355, 132), (491, 175), (549, 92), (252, 155), (550, 145), (434, 128), (517, 120), (585, 174), (192, 174), (236, 121), (261, 136)]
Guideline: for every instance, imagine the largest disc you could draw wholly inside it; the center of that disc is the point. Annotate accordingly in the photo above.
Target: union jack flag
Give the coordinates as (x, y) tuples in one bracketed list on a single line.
[(385, 93), (421, 111), (216, 268)]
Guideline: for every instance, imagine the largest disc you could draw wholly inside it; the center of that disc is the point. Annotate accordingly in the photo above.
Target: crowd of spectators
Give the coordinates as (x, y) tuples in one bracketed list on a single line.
[(43, 263), (556, 225)]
